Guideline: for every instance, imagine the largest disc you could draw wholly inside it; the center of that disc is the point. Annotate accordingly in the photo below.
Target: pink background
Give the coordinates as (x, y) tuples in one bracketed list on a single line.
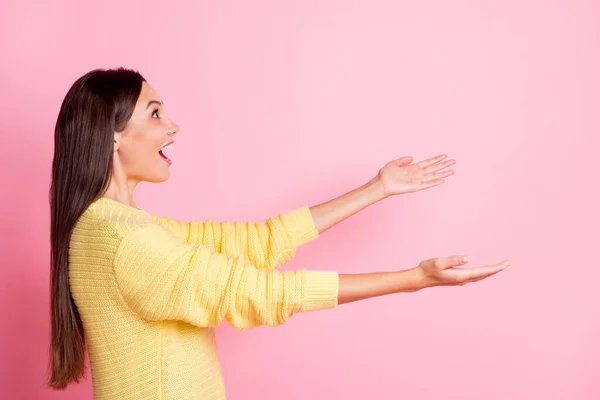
[(288, 103)]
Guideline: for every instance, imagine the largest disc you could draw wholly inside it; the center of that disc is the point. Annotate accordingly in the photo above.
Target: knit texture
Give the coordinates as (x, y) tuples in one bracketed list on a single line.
[(150, 291)]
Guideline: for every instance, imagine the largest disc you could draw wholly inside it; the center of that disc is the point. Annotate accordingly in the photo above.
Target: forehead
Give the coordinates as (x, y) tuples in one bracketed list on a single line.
[(147, 94)]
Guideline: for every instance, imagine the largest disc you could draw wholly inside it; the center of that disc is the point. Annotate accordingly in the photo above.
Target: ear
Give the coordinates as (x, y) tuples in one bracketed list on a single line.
[(117, 141)]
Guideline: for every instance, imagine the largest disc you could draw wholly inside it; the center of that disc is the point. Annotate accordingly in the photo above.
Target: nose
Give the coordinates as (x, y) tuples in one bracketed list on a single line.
[(173, 129)]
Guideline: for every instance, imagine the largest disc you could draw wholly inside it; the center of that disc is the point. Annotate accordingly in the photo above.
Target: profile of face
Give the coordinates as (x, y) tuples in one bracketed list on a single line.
[(140, 149)]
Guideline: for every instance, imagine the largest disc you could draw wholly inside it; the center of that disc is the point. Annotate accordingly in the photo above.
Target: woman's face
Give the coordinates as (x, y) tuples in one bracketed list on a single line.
[(140, 148)]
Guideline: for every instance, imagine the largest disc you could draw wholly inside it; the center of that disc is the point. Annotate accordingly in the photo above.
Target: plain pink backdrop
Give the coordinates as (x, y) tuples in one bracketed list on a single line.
[(290, 103)]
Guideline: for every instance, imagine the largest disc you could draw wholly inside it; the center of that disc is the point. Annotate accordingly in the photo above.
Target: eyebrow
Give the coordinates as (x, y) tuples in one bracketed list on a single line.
[(154, 102)]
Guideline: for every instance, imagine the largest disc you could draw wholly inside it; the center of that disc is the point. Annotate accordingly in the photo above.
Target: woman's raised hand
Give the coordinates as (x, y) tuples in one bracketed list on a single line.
[(402, 176)]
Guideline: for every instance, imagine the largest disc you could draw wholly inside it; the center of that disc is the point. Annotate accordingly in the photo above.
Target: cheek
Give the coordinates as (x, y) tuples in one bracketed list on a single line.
[(139, 150), (154, 136), (148, 151)]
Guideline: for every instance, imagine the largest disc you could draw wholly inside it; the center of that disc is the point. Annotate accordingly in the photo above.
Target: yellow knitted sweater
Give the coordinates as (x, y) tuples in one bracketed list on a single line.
[(150, 291)]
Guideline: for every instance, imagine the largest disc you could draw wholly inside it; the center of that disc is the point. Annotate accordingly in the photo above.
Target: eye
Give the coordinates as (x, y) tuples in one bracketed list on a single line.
[(155, 114)]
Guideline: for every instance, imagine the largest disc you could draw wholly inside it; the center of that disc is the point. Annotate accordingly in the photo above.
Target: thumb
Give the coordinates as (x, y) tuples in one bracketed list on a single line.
[(404, 161)]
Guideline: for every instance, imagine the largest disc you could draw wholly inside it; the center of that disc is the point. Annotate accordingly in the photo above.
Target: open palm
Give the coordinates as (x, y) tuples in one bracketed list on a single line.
[(401, 176), (443, 272)]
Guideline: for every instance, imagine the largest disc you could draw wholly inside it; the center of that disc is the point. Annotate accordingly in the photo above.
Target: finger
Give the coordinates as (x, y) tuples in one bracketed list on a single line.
[(437, 175), (505, 265), (448, 262), (439, 166), (483, 277), (404, 161), (431, 161), (429, 184), (463, 275)]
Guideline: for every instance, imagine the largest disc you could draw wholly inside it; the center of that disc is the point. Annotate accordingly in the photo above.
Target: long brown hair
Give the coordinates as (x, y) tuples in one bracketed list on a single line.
[(96, 106)]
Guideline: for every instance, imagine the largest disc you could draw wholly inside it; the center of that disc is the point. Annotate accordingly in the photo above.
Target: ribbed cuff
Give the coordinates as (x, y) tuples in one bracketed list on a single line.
[(321, 290), (300, 226)]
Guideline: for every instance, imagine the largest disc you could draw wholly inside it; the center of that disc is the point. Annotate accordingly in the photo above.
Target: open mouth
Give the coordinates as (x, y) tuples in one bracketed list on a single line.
[(161, 152)]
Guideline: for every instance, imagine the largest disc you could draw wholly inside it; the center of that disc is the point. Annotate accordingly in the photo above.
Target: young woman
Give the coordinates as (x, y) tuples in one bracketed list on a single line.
[(143, 293)]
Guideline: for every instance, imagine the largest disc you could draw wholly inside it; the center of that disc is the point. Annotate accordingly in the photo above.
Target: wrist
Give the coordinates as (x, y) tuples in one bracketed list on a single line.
[(419, 279), (376, 189), (410, 280)]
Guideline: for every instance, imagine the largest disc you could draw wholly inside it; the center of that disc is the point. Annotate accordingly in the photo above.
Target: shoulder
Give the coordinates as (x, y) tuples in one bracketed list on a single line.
[(113, 216)]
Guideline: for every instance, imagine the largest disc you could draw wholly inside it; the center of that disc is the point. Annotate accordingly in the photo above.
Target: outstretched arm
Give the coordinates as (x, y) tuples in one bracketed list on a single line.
[(162, 278)]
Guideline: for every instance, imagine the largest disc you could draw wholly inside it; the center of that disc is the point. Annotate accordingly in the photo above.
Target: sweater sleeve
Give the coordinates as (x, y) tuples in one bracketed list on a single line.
[(161, 277), (266, 245)]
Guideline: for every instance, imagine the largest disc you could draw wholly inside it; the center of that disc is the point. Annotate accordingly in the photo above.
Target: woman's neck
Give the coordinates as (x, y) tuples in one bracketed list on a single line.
[(120, 189)]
